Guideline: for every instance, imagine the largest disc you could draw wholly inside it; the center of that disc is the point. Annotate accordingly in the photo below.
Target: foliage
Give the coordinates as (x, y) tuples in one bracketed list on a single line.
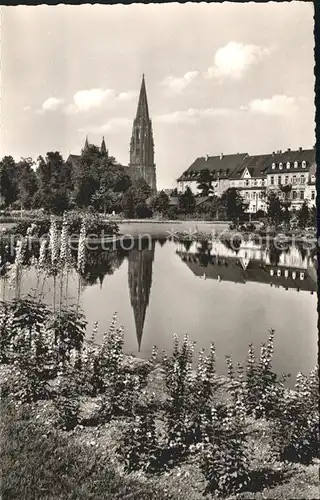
[(187, 201), (160, 203), (232, 203), (205, 182), (303, 215), (33, 458)]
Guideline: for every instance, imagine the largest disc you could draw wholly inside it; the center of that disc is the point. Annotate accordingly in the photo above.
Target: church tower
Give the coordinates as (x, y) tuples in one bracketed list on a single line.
[(142, 145)]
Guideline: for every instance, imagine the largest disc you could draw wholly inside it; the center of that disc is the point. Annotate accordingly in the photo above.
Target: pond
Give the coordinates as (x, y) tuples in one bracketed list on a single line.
[(159, 287)]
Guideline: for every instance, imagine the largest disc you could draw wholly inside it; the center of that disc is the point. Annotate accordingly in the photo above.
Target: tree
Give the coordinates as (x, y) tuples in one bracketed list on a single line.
[(53, 183), (274, 208), (27, 185), (187, 201), (160, 202), (232, 203), (303, 215), (205, 182), (8, 180), (128, 204)]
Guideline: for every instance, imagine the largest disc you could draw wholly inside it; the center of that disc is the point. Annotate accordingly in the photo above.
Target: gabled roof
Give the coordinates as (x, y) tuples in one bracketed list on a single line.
[(221, 166), (74, 159), (256, 165)]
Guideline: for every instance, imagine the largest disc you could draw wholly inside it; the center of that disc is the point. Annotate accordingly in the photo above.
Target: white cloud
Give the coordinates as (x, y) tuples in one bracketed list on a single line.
[(234, 59), (26, 108), (177, 84), (112, 126), (51, 104), (192, 115), (279, 105), (85, 100)]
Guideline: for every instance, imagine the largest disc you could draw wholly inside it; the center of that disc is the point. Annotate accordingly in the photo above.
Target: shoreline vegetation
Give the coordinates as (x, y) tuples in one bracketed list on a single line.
[(84, 421)]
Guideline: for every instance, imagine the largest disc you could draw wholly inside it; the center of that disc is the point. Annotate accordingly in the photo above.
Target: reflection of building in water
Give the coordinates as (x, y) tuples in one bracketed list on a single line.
[(251, 264), (140, 278)]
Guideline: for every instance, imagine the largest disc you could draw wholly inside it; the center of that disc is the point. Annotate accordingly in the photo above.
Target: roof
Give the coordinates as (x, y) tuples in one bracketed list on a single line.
[(292, 157), (256, 164), (74, 159), (221, 166)]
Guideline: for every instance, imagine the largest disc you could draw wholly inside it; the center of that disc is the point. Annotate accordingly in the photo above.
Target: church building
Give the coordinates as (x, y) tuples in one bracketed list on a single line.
[(141, 162)]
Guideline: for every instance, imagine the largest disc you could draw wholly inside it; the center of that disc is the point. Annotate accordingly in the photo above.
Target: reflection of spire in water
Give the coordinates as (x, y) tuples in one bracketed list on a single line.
[(140, 279)]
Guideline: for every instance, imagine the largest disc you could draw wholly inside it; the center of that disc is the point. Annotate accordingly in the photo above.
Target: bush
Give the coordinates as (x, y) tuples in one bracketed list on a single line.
[(41, 464)]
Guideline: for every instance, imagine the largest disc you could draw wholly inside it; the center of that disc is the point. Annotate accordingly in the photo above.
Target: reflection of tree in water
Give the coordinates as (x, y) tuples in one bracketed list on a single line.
[(302, 250), (203, 253), (140, 260), (233, 244), (187, 244), (274, 254), (100, 263), (161, 240)]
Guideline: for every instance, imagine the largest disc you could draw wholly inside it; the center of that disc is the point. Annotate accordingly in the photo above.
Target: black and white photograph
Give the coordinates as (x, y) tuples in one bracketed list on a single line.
[(158, 252)]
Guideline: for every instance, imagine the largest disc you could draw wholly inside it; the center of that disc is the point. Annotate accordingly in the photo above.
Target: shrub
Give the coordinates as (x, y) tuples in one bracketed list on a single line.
[(42, 464)]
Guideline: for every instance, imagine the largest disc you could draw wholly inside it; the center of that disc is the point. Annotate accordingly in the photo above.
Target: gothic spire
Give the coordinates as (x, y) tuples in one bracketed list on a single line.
[(103, 148), (143, 111), (86, 144)]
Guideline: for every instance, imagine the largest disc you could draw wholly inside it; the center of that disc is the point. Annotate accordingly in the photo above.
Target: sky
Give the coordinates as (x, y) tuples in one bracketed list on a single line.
[(220, 78)]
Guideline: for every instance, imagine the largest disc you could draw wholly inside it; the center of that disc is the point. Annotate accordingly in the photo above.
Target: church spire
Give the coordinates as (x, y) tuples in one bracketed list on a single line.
[(103, 148), (86, 144), (143, 110)]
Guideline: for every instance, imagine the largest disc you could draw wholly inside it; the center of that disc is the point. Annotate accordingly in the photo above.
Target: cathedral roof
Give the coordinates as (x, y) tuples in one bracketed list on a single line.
[(143, 110)]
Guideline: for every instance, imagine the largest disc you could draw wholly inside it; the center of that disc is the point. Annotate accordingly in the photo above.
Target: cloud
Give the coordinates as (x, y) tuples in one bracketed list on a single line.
[(51, 104), (277, 105), (112, 126), (234, 59), (86, 100), (192, 115), (26, 108), (177, 84)]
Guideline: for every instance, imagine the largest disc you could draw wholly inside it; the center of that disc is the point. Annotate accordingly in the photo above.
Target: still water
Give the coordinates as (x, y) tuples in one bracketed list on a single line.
[(208, 291)]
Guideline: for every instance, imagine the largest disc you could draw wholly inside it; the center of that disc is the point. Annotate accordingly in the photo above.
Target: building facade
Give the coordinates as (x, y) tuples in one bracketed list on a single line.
[(289, 174)]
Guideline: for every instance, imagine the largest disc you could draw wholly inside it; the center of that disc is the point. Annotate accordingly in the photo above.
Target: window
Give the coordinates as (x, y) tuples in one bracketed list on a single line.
[(294, 274), (247, 195), (255, 182), (273, 166), (279, 180), (279, 272), (294, 179), (280, 166), (286, 273), (286, 179), (294, 195), (272, 180), (313, 178), (295, 164), (302, 276), (301, 195), (247, 182), (302, 179), (288, 164), (313, 195), (304, 164)]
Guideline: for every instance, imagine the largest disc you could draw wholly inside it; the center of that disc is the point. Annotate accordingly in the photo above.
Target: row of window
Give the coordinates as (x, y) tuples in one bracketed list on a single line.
[(288, 165), (295, 179), (286, 274)]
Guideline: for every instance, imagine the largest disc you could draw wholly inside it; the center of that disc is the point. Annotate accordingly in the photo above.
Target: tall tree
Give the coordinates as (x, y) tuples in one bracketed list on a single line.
[(275, 209), (232, 203), (160, 202), (28, 184), (205, 182), (187, 201), (8, 180), (303, 215), (53, 183)]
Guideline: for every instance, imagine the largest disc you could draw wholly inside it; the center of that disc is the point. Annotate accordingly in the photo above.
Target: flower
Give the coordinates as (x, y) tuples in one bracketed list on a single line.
[(82, 247), (64, 249), (53, 241)]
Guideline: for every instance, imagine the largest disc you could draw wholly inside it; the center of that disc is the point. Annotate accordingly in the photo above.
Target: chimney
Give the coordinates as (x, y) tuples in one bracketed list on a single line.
[(207, 157), (289, 149), (221, 156), (300, 149), (273, 153)]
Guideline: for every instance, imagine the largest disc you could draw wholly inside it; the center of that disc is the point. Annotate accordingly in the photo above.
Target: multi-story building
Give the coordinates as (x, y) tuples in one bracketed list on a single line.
[(290, 174), (220, 167)]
